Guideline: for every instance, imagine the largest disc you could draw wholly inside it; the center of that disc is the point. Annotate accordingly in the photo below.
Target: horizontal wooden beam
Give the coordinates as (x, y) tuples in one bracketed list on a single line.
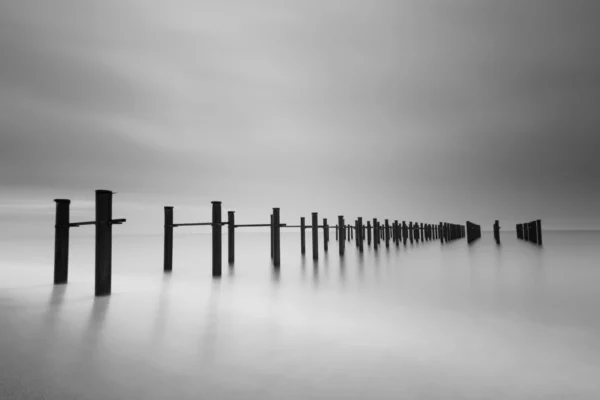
[(197, 224), (256, 225), (113, 221)]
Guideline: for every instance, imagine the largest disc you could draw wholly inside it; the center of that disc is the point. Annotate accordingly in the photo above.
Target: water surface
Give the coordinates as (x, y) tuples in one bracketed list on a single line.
[(422, 321)]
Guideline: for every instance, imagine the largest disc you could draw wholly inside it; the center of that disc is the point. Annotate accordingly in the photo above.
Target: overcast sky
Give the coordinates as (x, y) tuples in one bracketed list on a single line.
[(408, 109)]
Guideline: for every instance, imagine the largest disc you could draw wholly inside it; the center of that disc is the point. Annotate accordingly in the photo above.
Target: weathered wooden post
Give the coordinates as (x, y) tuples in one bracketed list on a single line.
[(216, 239), (387, 233), (360, 230), (533, 231), (539, 231), (342, 241), (276, 238), (396, 240), (368, 233), (302, 235), (348, 231), (336, 233), (231, 235), (375, 234), (272, 238), (315, 235), (404, 232), (61, 241), (526, 231), (325, 239), (103, 242), (168, 250)]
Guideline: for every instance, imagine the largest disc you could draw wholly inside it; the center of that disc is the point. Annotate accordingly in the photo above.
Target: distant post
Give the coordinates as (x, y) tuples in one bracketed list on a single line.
[(168, 251), (341, 241), (276, 238), (272, 238), (539, 231), (231, 235), (375, 234), (315, 235), (216, 238), (103, 242), (302, 235), (61, 241), (360, 234), (368, 233), (325, 244)]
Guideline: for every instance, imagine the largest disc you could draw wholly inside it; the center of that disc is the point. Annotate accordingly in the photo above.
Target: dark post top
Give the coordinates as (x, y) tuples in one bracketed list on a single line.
[(62, 201)]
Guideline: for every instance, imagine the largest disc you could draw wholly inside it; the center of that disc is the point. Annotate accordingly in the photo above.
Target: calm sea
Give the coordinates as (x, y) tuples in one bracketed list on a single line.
[(422, 321)]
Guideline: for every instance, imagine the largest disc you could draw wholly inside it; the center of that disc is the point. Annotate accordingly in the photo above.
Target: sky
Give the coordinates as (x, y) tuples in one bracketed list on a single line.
[(416, 110)]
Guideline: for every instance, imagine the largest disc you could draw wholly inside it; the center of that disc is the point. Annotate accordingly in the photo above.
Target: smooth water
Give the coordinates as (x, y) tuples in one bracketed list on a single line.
[(425, 321)]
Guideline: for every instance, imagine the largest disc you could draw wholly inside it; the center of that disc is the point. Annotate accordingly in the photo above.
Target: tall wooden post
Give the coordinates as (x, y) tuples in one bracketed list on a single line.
[(302, 235), (368, 233), (360, 239), (168, 250), (276, 238), (387, 233), (538, 224), (272, 237), (61, 241), (336, 233), (231, 236), (315, 235), (325, 239), (342, 241), (103, 242), (216, 239), (375, 234)]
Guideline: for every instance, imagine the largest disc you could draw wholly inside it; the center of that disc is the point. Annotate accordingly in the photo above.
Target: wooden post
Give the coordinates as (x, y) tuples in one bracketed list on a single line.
[(325, 244), (276, 238), (336, 233), (538, 224), (272, 237), (375, 234), (61, 241), (360, 235), (231, 235), (302, 235), (368, 233), (168, 250), (315, 235), (387, 233), (342, 241), (216, 239), (348, 232), (103, 242)]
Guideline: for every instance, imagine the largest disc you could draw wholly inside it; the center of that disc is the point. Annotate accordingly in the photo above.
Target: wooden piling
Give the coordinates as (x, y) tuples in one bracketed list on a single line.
[(302, 235), (368, 233), (325, 239), (272, 237), (539, 231), (342, 241), (103, 242), (168, 245), (216, 239), (360, 231), (231, 235), (61, 241), (276, 238), (315, 235)]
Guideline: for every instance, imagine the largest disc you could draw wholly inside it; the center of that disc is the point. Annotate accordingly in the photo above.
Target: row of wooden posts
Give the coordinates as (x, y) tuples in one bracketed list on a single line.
[(530, 231), (373, 233)]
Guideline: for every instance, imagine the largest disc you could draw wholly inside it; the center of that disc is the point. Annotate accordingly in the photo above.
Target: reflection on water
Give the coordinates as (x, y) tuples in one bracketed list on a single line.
[(421, 320)]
